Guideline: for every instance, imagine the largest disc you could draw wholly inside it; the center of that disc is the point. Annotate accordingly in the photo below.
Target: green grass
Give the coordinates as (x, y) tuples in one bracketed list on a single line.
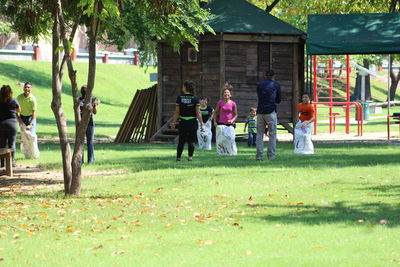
[(115, 86), (338, 207)]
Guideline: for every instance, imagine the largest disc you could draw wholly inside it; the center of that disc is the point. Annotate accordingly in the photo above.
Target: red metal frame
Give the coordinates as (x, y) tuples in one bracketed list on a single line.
[(357, 105), (330, 98), (388, 124)]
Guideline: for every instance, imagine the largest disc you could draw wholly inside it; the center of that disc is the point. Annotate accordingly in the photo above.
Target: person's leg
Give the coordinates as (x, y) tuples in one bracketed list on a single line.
[(191, 139), (272, 120), (12, 138), (90, 143), (249, 139), (260, 135), (3, 139), (254, 135), (181, 144)]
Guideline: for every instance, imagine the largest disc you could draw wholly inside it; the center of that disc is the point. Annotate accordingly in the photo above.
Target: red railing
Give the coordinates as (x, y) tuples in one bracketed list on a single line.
[(397, 118), (332, 116)]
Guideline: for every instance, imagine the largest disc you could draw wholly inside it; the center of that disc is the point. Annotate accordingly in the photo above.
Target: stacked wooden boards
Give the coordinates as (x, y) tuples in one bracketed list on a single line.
[(140, 122)]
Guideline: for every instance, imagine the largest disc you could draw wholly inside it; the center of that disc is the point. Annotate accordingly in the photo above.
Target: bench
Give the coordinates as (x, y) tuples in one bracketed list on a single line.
[(7, 154), (396, 118)]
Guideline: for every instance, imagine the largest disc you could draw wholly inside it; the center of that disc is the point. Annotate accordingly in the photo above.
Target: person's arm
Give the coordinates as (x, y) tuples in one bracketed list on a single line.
[(94, 109), (17, 111), (28, 127), (175, 117), (214, 116), (198, 115)]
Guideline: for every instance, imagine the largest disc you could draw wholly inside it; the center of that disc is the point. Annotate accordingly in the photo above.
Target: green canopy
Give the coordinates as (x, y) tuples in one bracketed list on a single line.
[(353, 34), (239, 16)]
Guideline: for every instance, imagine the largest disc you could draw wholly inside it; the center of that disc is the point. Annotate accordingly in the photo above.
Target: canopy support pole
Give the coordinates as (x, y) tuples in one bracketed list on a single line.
[(389, 71)]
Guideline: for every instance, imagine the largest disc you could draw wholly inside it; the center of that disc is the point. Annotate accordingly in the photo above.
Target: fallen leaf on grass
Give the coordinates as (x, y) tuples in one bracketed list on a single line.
[(295, 203), (99, 246), (248, 252), (118, 252), (158, 190)]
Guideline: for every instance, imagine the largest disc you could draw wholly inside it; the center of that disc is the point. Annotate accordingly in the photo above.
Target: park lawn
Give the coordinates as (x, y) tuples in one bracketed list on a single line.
[(338, 207), (115, 86)]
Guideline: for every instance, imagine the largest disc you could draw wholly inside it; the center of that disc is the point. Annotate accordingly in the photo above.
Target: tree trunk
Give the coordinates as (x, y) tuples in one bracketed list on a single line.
[(87, 109), (394, 80), (56, 105), (367, 81), (357, 88)]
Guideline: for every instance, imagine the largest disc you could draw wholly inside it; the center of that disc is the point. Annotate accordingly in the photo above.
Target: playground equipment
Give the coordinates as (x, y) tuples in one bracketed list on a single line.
[(330, 95), (396, 120)]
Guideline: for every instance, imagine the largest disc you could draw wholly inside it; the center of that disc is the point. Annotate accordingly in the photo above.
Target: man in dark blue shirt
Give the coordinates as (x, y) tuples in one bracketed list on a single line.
[(269, 94)]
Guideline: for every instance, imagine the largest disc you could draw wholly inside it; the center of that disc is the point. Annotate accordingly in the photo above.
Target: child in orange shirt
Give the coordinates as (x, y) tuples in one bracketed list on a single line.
[(303, 128)]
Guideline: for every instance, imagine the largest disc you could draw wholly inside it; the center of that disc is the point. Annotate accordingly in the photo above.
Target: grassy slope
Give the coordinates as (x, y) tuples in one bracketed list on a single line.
[(115, 87)]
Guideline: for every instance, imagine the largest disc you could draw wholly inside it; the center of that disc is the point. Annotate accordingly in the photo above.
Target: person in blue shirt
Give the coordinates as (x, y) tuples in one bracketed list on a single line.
[(269, 94)]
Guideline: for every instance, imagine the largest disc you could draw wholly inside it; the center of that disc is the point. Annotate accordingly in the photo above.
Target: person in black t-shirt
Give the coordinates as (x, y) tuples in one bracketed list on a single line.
[(188, 111), (9, 107)]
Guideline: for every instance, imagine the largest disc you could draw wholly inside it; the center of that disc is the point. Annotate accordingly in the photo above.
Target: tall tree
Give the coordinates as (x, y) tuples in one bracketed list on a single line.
[(295, 12), (60, 18)]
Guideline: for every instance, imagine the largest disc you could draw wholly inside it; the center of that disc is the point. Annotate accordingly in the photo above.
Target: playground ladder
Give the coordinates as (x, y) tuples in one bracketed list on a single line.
[(332, 98)]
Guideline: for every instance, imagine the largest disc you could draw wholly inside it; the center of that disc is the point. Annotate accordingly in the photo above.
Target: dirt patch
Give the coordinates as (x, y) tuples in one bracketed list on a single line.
[(30, 178)]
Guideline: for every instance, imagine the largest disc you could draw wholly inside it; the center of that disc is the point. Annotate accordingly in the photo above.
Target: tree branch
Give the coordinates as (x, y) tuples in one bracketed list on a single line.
[(271, 6)]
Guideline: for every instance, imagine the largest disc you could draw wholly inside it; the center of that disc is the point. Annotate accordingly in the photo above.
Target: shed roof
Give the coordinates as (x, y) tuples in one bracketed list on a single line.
[(377, 33), (239, 16)]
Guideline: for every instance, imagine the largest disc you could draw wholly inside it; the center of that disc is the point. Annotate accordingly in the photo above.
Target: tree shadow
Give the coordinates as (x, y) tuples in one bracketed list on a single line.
[(17, 73), (361, 214), (156, 157), (27, 182)]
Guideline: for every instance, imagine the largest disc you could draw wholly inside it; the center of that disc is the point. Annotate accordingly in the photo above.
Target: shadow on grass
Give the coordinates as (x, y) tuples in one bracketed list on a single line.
[(27, 182), (156, 157), (20, 74), (370, 214)]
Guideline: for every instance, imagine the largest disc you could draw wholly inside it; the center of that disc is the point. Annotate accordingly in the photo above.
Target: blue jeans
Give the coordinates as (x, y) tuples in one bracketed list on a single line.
[(90, 143), (251, 140), (26, 120)]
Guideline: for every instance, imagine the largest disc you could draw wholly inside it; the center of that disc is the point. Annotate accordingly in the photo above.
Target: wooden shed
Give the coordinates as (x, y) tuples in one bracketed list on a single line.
[(248, 41)]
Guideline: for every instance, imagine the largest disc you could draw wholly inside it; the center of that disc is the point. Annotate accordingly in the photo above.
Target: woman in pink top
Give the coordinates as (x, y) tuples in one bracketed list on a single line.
[(226, 108), (225, 131)]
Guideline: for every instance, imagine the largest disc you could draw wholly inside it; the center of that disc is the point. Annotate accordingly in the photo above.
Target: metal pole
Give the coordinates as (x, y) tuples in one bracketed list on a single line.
[(389, 71), (348, 94), (315, 98)]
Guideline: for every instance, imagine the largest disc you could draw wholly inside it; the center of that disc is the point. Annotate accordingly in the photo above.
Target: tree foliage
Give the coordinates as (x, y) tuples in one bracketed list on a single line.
[(150, 20)]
